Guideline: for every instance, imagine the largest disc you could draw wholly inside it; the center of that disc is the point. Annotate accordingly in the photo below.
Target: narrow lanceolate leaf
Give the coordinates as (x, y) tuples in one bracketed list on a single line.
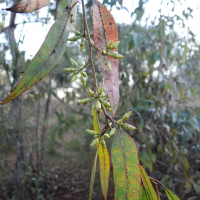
[(105, 30), (170, 195), (143, 194), (126, 168), (95, 119), (64, 7), (47, 57), (147, 184), (104, 159), (92, 177), (27, 6), (104, 166)]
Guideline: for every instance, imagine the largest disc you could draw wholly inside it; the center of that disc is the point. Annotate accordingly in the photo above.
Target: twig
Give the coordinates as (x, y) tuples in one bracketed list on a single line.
[(105, 113), (90, 48)]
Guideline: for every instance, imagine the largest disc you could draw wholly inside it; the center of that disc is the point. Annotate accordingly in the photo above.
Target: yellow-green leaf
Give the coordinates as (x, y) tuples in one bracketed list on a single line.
[(126, 168), (92, 177), (147, 184), (170, 195), (104, 167)]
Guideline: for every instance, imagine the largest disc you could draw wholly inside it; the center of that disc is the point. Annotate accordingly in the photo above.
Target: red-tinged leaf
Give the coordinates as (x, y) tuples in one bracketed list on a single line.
[(92, 177), (104, 166), (104, 159), (147, 184), (170, 195), (49, 54), (126, 168), (105, 30), (143, 194), (27, 6)]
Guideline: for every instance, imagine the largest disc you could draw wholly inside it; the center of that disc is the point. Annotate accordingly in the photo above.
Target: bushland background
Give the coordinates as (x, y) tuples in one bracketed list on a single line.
[(45, 151)]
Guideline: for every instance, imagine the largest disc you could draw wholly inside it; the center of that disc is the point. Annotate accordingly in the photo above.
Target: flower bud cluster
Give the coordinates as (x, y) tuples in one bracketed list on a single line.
[(120, 122), (76, 71), (113, 54)]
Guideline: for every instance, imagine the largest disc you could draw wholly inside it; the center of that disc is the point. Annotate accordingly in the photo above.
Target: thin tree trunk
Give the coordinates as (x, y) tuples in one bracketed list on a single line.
[(16, 112), (45, 120)]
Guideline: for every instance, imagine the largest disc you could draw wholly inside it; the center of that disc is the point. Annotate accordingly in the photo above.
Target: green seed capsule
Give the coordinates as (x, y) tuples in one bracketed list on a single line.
[(115, 45), (127, 115), (74, 63), (98, 105), (82, 44), (120, 121), (90, 92), (99, 113), (96, 136), (85, 100), (84, 74), (106, 135), (77, 33), (128, 126), (83, 64), (112, 132), (103, 52), (115, 55), (74, 78), (74, 38), (109, 46), (95, 141), (109, 109), (91, 132), (103, 141), (100, 90), (105, 103), (83, 81), (107, 63), (69, 69)]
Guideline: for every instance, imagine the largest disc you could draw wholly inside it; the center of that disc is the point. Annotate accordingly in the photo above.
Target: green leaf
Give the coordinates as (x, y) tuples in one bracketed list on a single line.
[(64, 7), (186, 50), (126, 168), (105, 30), (170, 195), (147, 184), (92, 177), (181, 91), (47, 57), (104, 166), (137, 41), (143, 194)]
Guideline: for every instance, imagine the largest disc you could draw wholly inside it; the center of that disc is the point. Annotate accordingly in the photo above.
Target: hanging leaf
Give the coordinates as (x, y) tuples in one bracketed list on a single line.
[(95, 119), (27, 6), (48, 56), (147, 184), (104, 167), (143, 194), (137, 41), (105, 30), (92, 177), (104, 159), (64, 7), (126, 168), (170, 195)]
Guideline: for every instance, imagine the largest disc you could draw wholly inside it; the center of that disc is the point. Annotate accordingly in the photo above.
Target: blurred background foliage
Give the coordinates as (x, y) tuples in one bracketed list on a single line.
[(44, 148)]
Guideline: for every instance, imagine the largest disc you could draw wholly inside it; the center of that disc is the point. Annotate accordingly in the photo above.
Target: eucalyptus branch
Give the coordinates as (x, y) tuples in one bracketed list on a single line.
[(90, 48)]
